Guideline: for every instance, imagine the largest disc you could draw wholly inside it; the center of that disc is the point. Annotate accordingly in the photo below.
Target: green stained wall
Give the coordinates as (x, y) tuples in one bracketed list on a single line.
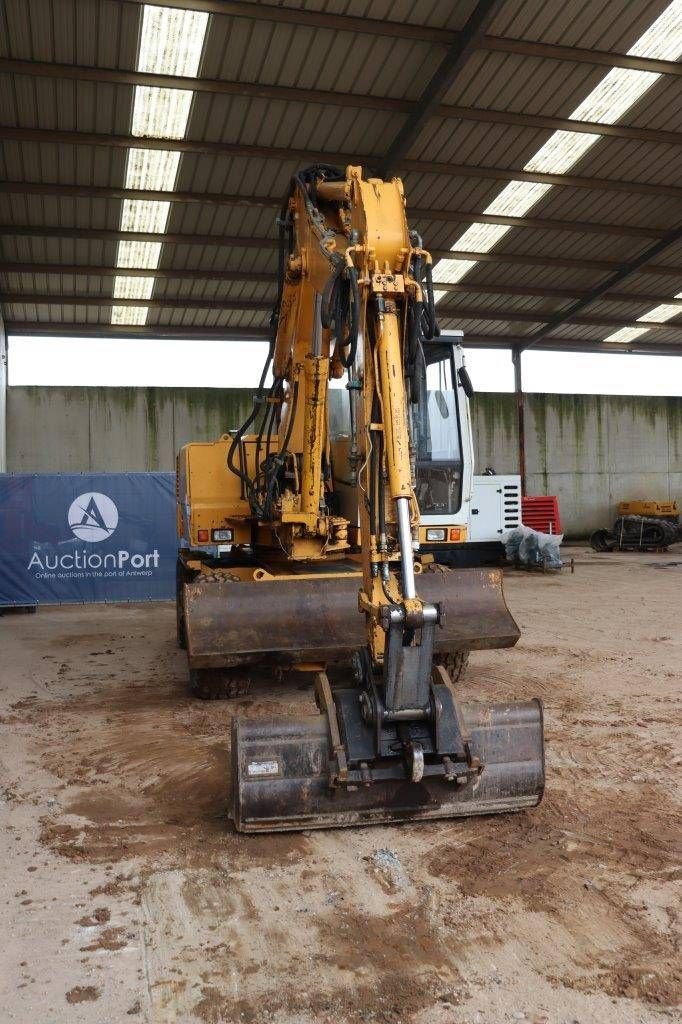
[(590, 450), (115, 429)]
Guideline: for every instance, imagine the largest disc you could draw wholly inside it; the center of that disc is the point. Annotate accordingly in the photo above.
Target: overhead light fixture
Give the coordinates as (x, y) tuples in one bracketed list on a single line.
[(611, 98), (171, 43)]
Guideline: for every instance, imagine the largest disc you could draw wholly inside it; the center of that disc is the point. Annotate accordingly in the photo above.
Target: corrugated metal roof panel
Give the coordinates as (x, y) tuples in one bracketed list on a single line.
[(86, 32), (612, 25), (315, 58), (105, 34), (430, 12)]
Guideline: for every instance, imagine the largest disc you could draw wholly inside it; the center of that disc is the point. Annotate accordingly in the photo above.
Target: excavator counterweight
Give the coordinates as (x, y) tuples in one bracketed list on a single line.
[(300, 544)]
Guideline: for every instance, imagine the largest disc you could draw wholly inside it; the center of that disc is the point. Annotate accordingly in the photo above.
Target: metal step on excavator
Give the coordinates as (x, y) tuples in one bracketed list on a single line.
[(301, 542)]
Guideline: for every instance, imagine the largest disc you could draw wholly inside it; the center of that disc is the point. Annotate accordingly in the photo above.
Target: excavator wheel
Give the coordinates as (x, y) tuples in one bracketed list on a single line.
[(182, 575), (455, 664), (218, 683)]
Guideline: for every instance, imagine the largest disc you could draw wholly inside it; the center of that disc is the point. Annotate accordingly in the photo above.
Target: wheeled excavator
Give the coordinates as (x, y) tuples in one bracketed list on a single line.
[(296, 554)]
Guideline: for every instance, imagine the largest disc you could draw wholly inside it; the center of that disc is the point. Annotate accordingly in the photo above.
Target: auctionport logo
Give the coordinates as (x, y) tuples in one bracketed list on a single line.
[(92, 517)]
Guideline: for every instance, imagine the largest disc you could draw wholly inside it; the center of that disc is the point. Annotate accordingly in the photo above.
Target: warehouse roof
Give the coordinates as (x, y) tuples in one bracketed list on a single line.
[(146, 150)]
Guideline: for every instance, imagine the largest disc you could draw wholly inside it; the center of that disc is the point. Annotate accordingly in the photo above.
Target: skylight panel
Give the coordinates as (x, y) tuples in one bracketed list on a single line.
[(133, 287), (660, 313), (481, 237), (144, 215), (154, 169), (171, 41), (561, 151), (131, 315), (516, 198), (663, 39), (161, 113), (452, 271), (626, 334), (614, 95), (610, 99), (138, 255)]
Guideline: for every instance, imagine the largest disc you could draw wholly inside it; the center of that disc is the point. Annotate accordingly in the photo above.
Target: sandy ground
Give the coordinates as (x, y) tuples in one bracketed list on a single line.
[(126, 894)]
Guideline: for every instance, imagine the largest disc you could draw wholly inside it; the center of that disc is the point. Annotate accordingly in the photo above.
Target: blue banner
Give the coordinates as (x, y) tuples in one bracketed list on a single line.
[(75, 538)]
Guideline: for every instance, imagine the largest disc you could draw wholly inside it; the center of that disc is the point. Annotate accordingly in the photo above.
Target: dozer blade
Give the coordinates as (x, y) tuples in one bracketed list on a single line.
[(281, 768), (295, 619)]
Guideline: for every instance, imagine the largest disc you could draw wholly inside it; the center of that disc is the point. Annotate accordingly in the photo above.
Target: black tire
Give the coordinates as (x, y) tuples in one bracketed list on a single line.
[(180, 578), (455, 664), (218, 683), (602, 540)]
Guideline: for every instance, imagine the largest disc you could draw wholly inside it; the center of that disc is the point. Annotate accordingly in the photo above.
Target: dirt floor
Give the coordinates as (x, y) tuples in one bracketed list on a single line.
[(127, 895)]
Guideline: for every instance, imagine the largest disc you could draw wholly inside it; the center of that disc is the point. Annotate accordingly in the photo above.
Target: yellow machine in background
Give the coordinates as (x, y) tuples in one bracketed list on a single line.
[(653, 509), (640, 526), (278, 567)]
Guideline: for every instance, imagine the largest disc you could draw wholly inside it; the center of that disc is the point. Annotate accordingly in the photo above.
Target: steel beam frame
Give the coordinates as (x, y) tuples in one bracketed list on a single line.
[(192, 274), (456, 56), (106, 192), (422, 33), (72, 138), (250, 242), (327, 97), (264, 305), (621, 273), (500, 341)]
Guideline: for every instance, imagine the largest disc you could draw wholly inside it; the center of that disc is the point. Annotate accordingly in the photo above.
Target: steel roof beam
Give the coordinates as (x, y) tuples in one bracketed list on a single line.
[(264, 305), (250, 242), (621, 273), (88, 270), (94, 330), (54, 137), (270, 202), (191, 274), (581, 55), (289, 94), (421, 33), (456, 56), (238, 305)]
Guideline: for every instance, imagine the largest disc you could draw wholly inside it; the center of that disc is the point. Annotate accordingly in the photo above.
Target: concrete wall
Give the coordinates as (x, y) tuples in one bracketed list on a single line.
[(592, 451), (109, 430), (3, 397)]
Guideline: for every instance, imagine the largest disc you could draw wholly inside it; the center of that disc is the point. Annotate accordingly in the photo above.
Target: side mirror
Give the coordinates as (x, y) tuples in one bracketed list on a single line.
[(465, 381), (442, 404)]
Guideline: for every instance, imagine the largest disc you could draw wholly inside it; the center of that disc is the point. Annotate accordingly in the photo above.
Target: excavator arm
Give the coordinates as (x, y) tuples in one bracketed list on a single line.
[(394, 742)]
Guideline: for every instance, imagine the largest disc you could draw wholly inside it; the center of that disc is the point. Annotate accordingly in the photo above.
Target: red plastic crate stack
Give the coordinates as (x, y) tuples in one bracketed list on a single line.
[(541, 512)]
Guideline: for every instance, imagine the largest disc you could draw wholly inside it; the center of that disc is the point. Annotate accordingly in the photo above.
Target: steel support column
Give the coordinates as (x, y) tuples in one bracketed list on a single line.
[(520, 415)]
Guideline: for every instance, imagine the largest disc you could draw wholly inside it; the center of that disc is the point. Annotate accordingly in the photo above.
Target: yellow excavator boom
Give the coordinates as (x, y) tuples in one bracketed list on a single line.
[(311, 586)]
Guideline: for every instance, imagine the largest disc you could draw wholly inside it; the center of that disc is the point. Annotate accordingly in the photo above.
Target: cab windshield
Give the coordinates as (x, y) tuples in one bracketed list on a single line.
[(436, 432)]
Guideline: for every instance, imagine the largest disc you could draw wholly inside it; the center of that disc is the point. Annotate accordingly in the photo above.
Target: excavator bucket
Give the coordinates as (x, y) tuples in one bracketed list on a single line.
[(281, 772), (306, 619)]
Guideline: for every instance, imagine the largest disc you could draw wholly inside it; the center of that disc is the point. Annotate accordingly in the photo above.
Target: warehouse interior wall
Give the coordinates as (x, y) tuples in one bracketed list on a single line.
[(3, 397), (591, 450)]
